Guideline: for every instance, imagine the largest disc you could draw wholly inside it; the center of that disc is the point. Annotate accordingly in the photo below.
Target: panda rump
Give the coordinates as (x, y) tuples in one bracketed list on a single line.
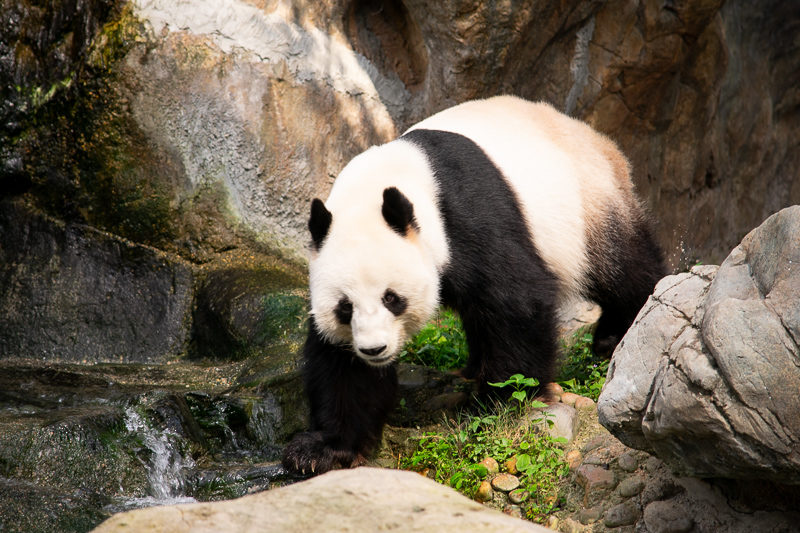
[(497, 208)]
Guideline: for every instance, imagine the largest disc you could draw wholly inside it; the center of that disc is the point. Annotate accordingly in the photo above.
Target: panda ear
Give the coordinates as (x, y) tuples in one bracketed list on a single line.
[(398, 211), (319, 223)]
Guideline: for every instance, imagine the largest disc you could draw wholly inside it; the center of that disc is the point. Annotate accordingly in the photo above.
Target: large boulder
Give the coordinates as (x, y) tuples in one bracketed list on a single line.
[(363, 499), (707, 377)]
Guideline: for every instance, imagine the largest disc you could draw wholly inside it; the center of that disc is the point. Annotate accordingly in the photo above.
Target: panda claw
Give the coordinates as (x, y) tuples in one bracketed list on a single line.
[(313, 466)]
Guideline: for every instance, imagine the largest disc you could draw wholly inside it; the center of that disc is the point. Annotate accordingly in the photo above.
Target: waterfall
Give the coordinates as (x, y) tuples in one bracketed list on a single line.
[(166, 466)]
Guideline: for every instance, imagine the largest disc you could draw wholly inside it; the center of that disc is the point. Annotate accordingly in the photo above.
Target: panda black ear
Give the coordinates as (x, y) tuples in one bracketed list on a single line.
[(319, 222), (398, 211)]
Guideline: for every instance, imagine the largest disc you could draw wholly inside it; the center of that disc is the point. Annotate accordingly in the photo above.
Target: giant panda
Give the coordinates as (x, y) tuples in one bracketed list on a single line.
[(498, 208)]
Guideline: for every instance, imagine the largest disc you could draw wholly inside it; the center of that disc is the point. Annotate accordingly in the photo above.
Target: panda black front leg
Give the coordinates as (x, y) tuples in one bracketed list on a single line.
[(349, 403)]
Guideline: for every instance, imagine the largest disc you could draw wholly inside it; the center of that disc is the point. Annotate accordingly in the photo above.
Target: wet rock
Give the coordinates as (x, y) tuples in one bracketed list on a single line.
[(705, 357), (346, 500), (72, 293)]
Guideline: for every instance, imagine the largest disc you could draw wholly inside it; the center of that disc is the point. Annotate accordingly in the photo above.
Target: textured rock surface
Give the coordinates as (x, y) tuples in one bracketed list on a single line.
[(703, 378), (221, 120), (363, 499), (72, 293)]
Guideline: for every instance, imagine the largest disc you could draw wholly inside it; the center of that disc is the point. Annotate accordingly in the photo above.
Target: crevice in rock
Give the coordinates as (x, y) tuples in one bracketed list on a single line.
[(385, 33)]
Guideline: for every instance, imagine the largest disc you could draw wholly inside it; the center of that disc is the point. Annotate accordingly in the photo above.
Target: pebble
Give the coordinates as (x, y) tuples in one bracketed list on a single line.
[(518, 496), (593, 478), (627, 461), (583, 402), (505, 482), (573, 458), (551, 523), (665, 517), (569, 398), (511, 465), (624, 514), (590, 515), (513, 510), (491, 465), (630, 487), (485, 492), (568, 525)]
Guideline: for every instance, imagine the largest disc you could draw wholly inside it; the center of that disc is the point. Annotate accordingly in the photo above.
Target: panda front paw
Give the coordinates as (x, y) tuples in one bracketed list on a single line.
[(308, 454)]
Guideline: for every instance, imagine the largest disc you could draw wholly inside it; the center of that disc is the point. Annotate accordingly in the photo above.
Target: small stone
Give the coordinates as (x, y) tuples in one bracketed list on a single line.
[(568, 525), (590, 515), (484, 493), (511, 465), (551, 523), (491, 465), (518, 496), (573, 458), (624, 514), (592, 478), (630, 487), (569, 398), (552, 391), (505, 482), (583, 402), (513, 510), (627, 461), (666, 517)]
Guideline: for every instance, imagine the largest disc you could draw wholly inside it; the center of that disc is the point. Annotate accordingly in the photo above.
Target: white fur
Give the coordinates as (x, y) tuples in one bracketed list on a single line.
[(555, 165), (362, 257)]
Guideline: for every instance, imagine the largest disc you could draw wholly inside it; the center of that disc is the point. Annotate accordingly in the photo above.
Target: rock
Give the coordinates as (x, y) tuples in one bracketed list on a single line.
[(627, 462), (704, 360), (511, 465), (665, 517), (624, 514), (491, 465), (346, 500), (484, 492), (593, 478), (630, 487), (72, 293), (560, 420), (590, 515), (505, 482), (573, 458), (582, 402), (230, 125), (518, 496)]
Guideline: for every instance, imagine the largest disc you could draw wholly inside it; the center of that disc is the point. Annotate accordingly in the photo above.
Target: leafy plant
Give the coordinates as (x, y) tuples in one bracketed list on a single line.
[(582, 372), (520, 383), (453, 456), (440, 344)]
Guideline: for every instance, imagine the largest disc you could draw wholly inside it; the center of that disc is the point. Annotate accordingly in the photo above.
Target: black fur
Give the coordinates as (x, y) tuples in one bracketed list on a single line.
[(319, 223), (349, 403), (626, 265), (398, 211), (495, 278), (344, 311), (395, 303)]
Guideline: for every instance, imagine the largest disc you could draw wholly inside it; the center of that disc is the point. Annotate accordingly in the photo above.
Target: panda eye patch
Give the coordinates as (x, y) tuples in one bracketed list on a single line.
[(395, 303), (344, 311)]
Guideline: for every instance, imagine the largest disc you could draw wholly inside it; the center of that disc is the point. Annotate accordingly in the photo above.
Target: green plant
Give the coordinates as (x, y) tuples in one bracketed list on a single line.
[(520, 383), (582, 371), (440, 344), (453, 455)]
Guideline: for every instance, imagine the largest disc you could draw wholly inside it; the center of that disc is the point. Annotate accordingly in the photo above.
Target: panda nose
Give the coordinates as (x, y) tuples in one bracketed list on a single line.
[(373, 351)]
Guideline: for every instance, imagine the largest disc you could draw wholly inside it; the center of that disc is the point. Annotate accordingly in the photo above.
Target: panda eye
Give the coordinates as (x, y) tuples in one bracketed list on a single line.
[(344, 311), (395, 303)]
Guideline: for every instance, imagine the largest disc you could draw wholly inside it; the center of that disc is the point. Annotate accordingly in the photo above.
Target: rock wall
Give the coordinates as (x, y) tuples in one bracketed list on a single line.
[(216, 123)]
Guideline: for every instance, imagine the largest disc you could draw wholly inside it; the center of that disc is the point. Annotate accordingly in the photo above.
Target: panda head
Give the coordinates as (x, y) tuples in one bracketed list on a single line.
[(372, 285)]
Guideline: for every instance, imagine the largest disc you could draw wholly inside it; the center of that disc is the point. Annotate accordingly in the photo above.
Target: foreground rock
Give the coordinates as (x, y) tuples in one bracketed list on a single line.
[(707, 377), (364, 499)]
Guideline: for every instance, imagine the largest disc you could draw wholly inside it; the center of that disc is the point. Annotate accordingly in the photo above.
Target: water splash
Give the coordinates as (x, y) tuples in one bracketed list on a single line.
[(166, 466)]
